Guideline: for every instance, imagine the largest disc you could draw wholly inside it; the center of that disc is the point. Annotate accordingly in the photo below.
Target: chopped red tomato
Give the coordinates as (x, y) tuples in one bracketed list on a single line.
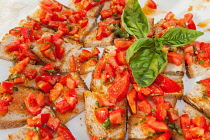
[(168, 23), (145, 106), (119, 88), (84, 55), (45, 117), (34, 122), (106, 13), (62, 131), (20, 66), (53, 123), (7, 98), (175, 58), (104, 101), (156, 89), (151, 4), (73, 66), (158, 125), (3, 108), (45, 86), (158, 99), (44, 132), (161, 112), (191, 25), (19, 80), (63, 106), (15, 31), (83, 23), (199, 121), (7, 87), (173, 115), (99, 68), (122, 44), (12, 47), (197, 132), (132, 98), (165, 136), (31, 73), (169, 15), (116, 116), (101, 114)]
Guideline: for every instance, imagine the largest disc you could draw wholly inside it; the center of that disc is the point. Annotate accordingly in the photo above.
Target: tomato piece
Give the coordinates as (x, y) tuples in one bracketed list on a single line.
[(99, 68), (158, 125), (15, 31), (185, 121), (63, 106), (108, 74), (158, 99), (48, 67), (31, 134), (199, 121), (73, 66), (151, 4), (44, 132), (113, 61), (141, 96), (119, 89), (84, 55), (87, 5), (191, 25), (175, 58), (50, 54), (189, 49), (173, 115), (14, 46), (77, 1), (62, 131), (40, 99), (56, 92), (31, 104), (83, 22), (121, 57), (188, 17), (7, 98), (31, 73), (116, 116), (20, 66), (196, 132), (122, 44), (167, 85), (59, 33), (103, 100), (168, 23), (45, 117), (106, 13), (3, 108), (71, 83), (169, 15), (165, 136), (7, 87), (59, 52), (95, 51), (74, 30), (45, 86), (34, 122), (132, 98), (161, 112), (145, 106), (19, 80), (145, 90), (101, 114), (53, 123), (54, 23), (25, 33), (45, 47), (156, 89)]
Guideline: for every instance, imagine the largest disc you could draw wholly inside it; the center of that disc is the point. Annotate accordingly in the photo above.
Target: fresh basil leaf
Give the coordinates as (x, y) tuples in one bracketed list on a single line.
[(142, 42), (177, 36), (146, 64), (134, 21), (106, 124), (158, 43)]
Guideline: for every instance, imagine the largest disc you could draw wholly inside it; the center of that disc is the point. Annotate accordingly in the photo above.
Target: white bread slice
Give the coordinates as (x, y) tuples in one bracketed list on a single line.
[(94, 127), (17, 113), (93, 12), (91, 41), (65, 117), (82, 32), (20, 133), (192, 112), (196, 98)]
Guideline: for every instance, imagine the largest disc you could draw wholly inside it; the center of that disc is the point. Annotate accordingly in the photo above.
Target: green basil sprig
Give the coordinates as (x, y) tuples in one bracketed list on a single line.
[(134, 21), (145, 57)]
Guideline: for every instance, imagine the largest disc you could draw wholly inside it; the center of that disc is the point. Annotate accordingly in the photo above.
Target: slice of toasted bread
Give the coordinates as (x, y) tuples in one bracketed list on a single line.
[(17, 113), (93, 12), (197, 98), (94, 127), (91, 41), (81, 88)]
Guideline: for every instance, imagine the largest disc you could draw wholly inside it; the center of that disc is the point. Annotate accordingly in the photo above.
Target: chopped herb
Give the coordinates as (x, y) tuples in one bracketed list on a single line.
[(49, 43), (103, 82), (31, 46), (51, 71), (173, 126), (142, 120), (15, 59), (15, 76), (106, 123), (111, 79), (35, 128), (8, 49), (114, 14), (202, 52), (194, 48), (102, 138), (110, 108), (121, 33), (204, 95), (29, 31), (98, 104), (171, 49), (15, 88), (201, 62), (96, 0), (136, 124), (153, 110), (152, 134), (14, 29), (23, 105)]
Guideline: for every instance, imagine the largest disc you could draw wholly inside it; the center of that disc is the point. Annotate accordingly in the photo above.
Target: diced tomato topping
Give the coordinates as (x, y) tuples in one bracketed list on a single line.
[(72, 66), (161, 112), (34, 122), (53, 123), (44, 132), (122, 44), (116, 116), (62, 131), (83, 23), (20, 66), (12, 47), (7, 87), (175, 58), (101, 114), (84, 55), (45, 117), (45, 86), (158, 99), (197, 132), (156, 89), (158, 125), (199, 121), (168, 23), (15, 31), (132, 98), (145, 106), (7, 98), (191, 25), (99, 68), (169, 15), (165, 136), (63, 106), (19, 80), (3, 108), (104, 101), (151, 4), (106, 13), (31, 73), (173, 115)]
